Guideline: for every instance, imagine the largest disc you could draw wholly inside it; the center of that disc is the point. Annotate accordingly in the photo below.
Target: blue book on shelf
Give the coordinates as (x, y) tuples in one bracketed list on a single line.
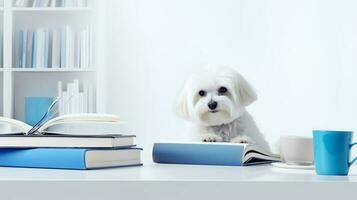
[(69, 158), (34, 50), (211, 154), (21, 42), (47, 45)]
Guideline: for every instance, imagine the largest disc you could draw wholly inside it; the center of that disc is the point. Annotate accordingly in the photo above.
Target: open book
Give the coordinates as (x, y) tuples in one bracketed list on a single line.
[(199, 153), (64, 119), (41, 138)]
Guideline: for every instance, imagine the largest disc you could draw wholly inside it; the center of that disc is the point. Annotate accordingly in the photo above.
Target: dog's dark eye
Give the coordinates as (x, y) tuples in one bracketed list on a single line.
[(202, 93), (222, 90)]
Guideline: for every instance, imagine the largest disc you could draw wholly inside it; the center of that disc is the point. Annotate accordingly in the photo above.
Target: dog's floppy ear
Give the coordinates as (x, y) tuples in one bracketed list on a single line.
[(245, 91), (182, 109)]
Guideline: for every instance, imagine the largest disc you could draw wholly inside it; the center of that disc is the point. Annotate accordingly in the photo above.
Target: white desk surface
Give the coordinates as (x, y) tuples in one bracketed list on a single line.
[(158, 181)]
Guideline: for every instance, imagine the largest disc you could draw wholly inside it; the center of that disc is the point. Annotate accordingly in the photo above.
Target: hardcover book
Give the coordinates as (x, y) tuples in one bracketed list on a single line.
[(198, 153), (64, 158)]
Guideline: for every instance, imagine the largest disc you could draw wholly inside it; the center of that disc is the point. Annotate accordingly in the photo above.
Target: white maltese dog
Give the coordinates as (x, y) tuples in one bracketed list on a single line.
[(215, 100)]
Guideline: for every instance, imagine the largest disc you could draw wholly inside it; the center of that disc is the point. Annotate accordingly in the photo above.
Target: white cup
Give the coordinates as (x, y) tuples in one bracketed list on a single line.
[(296, 150)]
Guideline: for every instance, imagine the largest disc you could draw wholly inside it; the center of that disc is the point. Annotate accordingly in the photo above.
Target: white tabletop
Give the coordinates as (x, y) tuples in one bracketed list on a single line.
[(156, 181), (168, 172)]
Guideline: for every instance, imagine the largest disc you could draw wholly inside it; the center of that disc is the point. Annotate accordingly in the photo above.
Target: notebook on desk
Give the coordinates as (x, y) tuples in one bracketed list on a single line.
[(205, 153)]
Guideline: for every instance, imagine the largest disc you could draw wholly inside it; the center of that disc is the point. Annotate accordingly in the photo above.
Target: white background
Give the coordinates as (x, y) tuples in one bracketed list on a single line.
[(301, 56)]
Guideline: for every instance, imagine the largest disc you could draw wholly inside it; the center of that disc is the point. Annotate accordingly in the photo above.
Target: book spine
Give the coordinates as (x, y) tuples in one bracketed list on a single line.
[(29, 49), (34, 50), (85, 98), (76, 101), (56, 47), (20, 46), (63, 48), (46, 49), (24, 47), (71, 98), (43, 158), (91, 99), (198, 154), (60, 101), (65, 102)]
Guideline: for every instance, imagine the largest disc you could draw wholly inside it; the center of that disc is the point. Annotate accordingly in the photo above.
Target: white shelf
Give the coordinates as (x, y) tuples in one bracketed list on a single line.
[(50, 70), (50, 9), (18, 82)]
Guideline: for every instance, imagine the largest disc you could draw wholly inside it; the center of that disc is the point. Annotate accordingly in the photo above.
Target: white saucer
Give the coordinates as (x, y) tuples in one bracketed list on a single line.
[(286, 166)]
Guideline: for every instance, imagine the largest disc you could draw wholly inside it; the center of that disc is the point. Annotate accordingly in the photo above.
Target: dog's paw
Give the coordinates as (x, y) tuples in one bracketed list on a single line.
[(211, 138), (242, 139)]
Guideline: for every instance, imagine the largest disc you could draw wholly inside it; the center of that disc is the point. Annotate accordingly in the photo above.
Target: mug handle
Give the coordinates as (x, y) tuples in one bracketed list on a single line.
[(355, 159)]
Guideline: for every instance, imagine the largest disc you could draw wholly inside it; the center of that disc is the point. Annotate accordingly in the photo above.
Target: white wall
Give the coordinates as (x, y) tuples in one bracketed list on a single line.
[(301, 56)]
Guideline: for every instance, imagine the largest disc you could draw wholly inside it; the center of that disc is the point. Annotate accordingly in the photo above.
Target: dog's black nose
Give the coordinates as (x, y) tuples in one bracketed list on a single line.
[(212, 105)]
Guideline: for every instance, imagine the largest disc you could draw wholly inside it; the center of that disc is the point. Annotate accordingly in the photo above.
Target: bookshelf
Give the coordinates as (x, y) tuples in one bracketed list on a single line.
[(16, 82)]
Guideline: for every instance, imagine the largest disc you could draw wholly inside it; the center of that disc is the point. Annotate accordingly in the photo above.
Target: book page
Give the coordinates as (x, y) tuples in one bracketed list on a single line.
[(22, 126)]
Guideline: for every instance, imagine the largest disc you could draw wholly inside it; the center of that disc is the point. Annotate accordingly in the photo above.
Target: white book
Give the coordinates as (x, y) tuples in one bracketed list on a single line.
[(60, 101), (72, 97), (71, 48), (63, 48), (68, 47), (41, 48), (19, 3), (36, 3), (45, 3), (1, 50), (76, 101), (56, 49), (48, 139), (82, 3), (90, 47), (53, 3), (65, 103), (91, 97), (82, 51), (85, 98), (81, 104), (77, 49), (24, 48), (46, 49)]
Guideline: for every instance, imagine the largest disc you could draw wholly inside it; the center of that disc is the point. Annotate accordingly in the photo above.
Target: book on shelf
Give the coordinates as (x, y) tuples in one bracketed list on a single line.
[(64, 47), (77, 98), (51, 3), (199, 153)]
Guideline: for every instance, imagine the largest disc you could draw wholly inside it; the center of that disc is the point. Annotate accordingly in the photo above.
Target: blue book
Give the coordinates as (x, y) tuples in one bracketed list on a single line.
[(34, 51), (21, 42), (47, 47), (68, 158), (228, 154)]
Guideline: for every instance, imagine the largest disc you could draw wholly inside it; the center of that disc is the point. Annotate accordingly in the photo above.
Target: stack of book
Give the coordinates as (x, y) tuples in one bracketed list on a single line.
[(51, 3), (56, 48), (44, 149), (76, 98)]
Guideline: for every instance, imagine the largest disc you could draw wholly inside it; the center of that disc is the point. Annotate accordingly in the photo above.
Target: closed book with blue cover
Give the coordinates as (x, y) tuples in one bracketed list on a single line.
[(228, 154), (68, 158)]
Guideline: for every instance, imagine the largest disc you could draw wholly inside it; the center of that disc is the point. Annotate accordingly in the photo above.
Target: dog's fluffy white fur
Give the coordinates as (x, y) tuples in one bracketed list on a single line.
[(214, 100)]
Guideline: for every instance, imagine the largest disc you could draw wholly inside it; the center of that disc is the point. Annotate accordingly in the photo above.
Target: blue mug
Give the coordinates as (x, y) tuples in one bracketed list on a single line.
[(332, 152)]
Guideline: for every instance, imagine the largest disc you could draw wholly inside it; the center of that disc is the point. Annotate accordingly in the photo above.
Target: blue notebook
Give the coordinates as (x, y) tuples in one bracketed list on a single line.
[(62, 158), (211, 154)]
